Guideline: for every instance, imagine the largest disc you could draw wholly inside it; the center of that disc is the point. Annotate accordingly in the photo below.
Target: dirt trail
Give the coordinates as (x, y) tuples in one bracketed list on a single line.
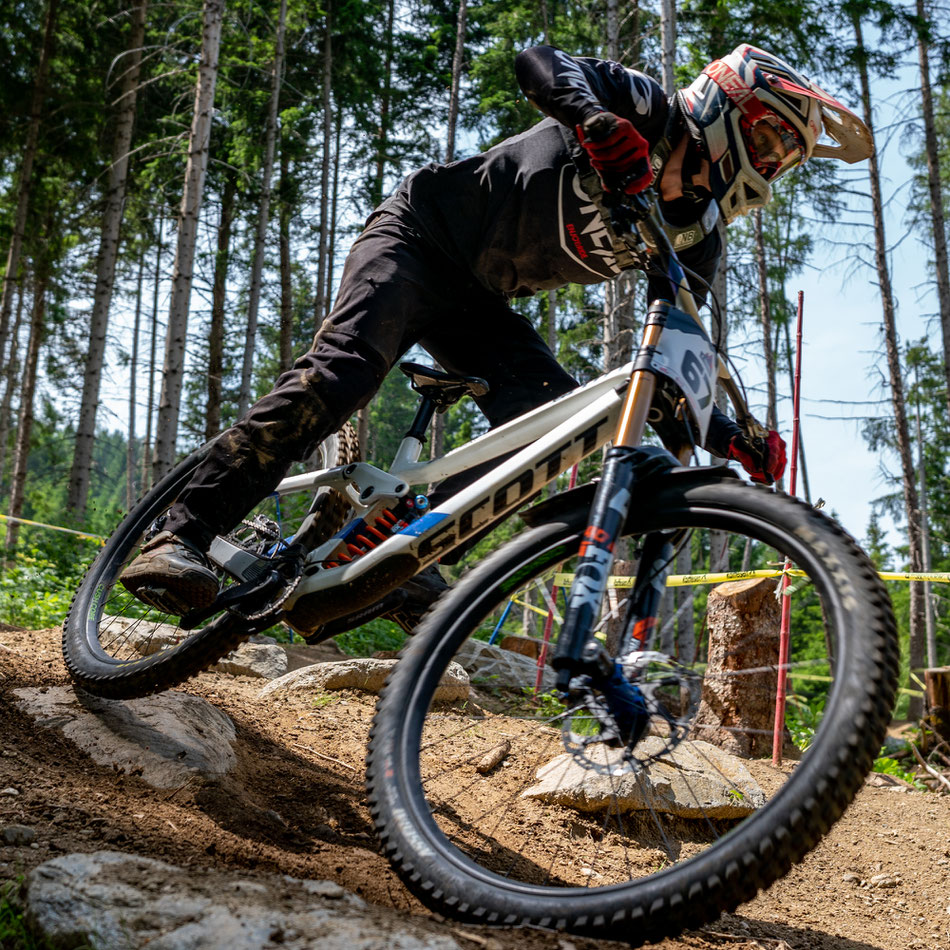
[(880, 881)]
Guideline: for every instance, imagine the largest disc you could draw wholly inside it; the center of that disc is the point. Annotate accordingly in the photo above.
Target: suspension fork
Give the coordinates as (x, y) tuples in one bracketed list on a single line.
[(577, 651)]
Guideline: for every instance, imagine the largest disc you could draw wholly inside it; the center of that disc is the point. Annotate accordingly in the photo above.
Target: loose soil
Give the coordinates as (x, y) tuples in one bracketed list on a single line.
[(879, 881)]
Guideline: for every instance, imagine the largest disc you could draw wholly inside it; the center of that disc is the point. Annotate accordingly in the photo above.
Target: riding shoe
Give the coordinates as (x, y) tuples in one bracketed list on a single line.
[(171, 574), (422, 591)]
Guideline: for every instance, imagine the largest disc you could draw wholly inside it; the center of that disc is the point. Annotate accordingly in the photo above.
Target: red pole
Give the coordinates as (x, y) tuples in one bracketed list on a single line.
[(781, 689), (549, 622)]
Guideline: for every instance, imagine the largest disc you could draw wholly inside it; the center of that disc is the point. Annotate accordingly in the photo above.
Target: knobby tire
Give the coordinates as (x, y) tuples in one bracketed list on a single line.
[(453, 861)]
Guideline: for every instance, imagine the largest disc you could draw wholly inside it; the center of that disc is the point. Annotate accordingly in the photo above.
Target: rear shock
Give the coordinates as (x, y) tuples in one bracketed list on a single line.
[(359, 537)]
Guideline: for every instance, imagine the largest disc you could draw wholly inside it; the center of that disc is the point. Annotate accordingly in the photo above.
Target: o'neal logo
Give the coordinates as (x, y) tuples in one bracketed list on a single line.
[(583, 234)]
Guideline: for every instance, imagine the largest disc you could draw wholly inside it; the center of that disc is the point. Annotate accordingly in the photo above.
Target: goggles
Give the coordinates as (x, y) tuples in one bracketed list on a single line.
[(773, 145)]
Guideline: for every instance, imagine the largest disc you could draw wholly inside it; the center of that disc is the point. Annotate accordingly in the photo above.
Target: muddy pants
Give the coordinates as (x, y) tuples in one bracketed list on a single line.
[(396, 291)]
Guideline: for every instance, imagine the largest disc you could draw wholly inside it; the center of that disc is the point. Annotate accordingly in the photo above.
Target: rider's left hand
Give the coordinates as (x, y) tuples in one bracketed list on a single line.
[(617, 151), (765, 463)]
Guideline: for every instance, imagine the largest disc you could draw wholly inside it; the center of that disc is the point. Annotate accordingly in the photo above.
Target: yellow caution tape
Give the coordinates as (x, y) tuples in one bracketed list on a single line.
[(688, 580), (53, 527), (537, 610)]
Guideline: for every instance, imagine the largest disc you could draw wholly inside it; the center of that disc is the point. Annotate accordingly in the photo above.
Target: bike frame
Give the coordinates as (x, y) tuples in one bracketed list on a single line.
[(546, 441)]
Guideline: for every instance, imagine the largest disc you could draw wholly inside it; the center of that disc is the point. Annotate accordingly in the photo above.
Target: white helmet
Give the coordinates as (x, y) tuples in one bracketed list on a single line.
[(755, 118)]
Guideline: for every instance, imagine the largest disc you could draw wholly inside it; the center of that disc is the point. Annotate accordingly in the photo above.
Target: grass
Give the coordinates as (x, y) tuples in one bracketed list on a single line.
[(14, 932)]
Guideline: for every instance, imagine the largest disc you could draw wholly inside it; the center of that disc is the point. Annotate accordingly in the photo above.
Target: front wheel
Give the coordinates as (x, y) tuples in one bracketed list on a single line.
[(118, 647), (511, 809)]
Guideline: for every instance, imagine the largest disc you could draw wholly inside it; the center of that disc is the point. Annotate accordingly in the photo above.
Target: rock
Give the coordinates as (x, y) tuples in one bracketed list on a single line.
[(112, 901), (884, 880), (166, 739), (487, 663), (696, 780), (526, 646), (17, 834), (849, 877), (9, 792), (364, 674), (144, 636), (264, 660)]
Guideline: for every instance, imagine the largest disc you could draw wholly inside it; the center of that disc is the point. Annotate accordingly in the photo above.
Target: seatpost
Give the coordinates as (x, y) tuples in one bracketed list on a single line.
[(420, 423)]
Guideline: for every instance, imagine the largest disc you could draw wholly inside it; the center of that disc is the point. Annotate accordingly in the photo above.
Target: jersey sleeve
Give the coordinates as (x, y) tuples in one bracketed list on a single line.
[(571, 89)]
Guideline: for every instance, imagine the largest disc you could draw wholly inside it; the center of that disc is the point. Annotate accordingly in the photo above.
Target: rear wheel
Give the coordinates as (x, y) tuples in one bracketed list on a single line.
[(116, 646), (636, 842)]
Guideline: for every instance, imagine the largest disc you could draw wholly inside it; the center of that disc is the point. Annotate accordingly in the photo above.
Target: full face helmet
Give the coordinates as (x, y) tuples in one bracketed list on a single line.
[(755, 117)]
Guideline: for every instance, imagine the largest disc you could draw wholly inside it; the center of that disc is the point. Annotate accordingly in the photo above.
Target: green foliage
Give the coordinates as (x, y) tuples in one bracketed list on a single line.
[(371, 638), (37, 588), (14, 932), (888, 766)]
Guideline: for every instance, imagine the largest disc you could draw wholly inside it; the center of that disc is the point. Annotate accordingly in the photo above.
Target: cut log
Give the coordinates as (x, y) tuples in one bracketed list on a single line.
[(937, 685), (738, 699)]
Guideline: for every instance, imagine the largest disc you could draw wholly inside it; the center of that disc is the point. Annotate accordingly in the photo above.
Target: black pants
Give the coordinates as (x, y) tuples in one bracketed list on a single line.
[(396, 290)]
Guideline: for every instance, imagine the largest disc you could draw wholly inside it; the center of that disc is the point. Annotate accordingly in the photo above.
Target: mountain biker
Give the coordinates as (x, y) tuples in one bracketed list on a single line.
[(440, 259)]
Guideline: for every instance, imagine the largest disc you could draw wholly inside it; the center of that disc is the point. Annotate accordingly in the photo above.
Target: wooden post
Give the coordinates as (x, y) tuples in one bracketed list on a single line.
[(937, 684)]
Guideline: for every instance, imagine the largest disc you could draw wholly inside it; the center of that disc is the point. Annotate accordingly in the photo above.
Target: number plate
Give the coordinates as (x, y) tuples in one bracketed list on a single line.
[(686, 356)]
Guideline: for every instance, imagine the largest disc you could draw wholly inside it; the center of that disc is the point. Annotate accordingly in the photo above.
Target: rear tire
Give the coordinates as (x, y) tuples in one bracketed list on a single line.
[(473, 847), (118, 647)]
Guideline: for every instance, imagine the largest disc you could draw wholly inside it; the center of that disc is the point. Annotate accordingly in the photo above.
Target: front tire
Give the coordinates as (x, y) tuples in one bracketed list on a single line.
[(473, 847)]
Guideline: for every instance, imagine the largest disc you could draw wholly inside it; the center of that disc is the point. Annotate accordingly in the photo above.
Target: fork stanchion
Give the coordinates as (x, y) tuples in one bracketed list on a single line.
[(549, 621), (778, 733)]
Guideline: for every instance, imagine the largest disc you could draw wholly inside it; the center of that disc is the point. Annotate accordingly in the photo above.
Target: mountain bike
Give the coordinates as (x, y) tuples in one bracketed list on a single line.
[(513, 844)]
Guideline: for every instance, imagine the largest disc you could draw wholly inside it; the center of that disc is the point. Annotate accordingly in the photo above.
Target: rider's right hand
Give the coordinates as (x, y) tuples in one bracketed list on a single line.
[(765, 462), (617, 151)]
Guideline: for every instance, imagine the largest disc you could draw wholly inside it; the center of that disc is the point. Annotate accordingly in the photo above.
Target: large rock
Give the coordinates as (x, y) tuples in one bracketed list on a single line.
[(490, 664), (166, 739), (261, 657), (144, 636), (366, 674), (112, 901), (695, 780)]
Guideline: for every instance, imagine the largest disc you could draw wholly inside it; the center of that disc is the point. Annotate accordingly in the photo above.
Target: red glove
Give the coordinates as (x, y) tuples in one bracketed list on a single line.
[(766, 463), (617, 150)]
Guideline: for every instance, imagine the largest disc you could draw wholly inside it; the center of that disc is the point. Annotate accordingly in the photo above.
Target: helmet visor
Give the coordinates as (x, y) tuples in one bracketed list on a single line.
[(773, 145)]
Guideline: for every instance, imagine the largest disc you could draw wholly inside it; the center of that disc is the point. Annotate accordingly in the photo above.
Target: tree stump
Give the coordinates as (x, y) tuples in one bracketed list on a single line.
[(937, 684), (738, 707)]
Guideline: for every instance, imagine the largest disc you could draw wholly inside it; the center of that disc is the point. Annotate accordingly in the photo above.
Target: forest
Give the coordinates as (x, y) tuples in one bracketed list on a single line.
[(181, 181)]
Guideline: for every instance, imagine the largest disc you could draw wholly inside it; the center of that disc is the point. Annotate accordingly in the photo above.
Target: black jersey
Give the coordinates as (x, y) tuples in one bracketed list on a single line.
[(516, 215)]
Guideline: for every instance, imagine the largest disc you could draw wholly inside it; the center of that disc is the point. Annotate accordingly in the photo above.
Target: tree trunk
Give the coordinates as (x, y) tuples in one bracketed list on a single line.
[(334, 206), (10, 373), (285, 345), (385, 109), (263, 216), (911, 503), (802, 465), (932, 152), (130, 494), (105, 269), (152, 346), (320, 304), (456, 80), (765, 312), (613, 31), (26, 173), (21, 452), (218, 303), (177, 329), (668, 40)]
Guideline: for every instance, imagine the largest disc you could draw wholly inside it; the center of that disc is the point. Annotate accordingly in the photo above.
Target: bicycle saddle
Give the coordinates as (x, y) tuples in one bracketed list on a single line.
[(444, 389)]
